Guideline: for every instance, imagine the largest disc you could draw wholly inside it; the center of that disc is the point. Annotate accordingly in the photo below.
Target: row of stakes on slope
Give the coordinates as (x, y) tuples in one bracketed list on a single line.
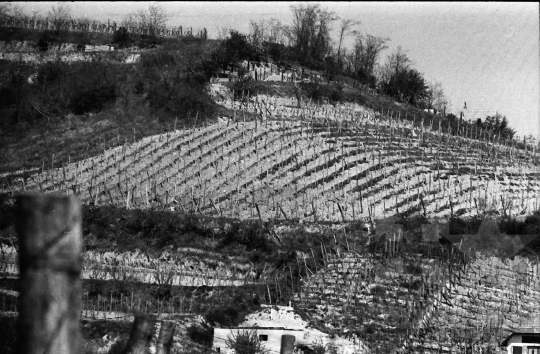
[(431, 125), (110, 198), (495, 329), (113, 155), (457, 277), (106, 306), (155, 272), (515, 292), (175, 124), (422, 291), (390, 115)]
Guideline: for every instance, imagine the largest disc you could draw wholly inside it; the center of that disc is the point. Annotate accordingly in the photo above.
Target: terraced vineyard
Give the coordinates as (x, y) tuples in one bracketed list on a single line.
[(401, 301), (381, 299), (484, 303), (316, 163), (183, 267)]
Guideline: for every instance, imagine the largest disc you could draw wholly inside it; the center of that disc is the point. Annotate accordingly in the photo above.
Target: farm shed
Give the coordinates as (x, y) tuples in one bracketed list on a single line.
[(524, 340), (273, 322), (271, 337)]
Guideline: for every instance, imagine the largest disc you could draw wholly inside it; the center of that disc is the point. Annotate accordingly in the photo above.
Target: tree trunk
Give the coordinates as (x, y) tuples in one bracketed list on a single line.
[(49, 232)]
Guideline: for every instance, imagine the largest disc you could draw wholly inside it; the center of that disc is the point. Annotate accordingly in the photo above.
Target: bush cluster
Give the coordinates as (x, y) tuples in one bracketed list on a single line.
[(201, 335), (319, 92), (55, 89), (170, 80), (246, 342)]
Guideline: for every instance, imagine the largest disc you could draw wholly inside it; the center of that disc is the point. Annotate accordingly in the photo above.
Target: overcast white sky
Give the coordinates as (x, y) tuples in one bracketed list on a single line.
[(486, 54)]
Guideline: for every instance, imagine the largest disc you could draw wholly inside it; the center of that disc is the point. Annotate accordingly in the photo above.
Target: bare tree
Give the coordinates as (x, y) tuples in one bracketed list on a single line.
[(5, 11), (84, 20), (258, 31), (323, 44), (531, 140), (303, 26), (399, 60), (266, 30), (309, 32), (435, 96), (58, 14), (365, 54), (129, 21), (395, 63), (10, 11), (18, 12), (152, 19), (276, 31), (223, 32), (345, 28)]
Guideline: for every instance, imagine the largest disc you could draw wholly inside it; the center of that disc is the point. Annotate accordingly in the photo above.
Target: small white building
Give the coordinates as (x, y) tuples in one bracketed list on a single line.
[(273, 322), (271, 337), (524, 340)]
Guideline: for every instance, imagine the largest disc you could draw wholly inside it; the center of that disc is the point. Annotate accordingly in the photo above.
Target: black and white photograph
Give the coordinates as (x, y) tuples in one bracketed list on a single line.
[(269, 177)]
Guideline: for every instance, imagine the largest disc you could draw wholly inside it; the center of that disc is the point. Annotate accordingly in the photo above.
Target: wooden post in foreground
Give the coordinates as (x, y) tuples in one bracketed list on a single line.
[(50, 244), (141, 335), (149, 335), (165, 338)]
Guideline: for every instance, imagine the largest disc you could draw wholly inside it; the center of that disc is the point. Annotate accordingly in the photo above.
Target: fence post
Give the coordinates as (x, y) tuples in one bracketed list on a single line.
[(50, 243), (144, 331), (141, 335), (165, 338)]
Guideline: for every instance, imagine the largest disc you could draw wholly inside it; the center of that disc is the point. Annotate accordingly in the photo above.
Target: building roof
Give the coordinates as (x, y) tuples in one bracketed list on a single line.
[(274, 317)]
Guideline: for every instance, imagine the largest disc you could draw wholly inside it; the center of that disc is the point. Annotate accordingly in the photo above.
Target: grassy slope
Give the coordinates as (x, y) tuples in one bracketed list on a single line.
[(76, 138), (57, 140)]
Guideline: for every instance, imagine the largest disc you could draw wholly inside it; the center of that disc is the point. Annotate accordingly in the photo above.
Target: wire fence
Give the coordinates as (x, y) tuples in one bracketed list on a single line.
[(45, 23), (110, 307)]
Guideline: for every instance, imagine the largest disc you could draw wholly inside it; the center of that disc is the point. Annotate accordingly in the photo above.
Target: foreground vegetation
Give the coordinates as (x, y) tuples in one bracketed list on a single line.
[(277, 252)]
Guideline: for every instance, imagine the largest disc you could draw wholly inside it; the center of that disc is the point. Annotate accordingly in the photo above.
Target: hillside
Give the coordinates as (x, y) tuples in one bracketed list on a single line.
[(316, 163), (279, 198)]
